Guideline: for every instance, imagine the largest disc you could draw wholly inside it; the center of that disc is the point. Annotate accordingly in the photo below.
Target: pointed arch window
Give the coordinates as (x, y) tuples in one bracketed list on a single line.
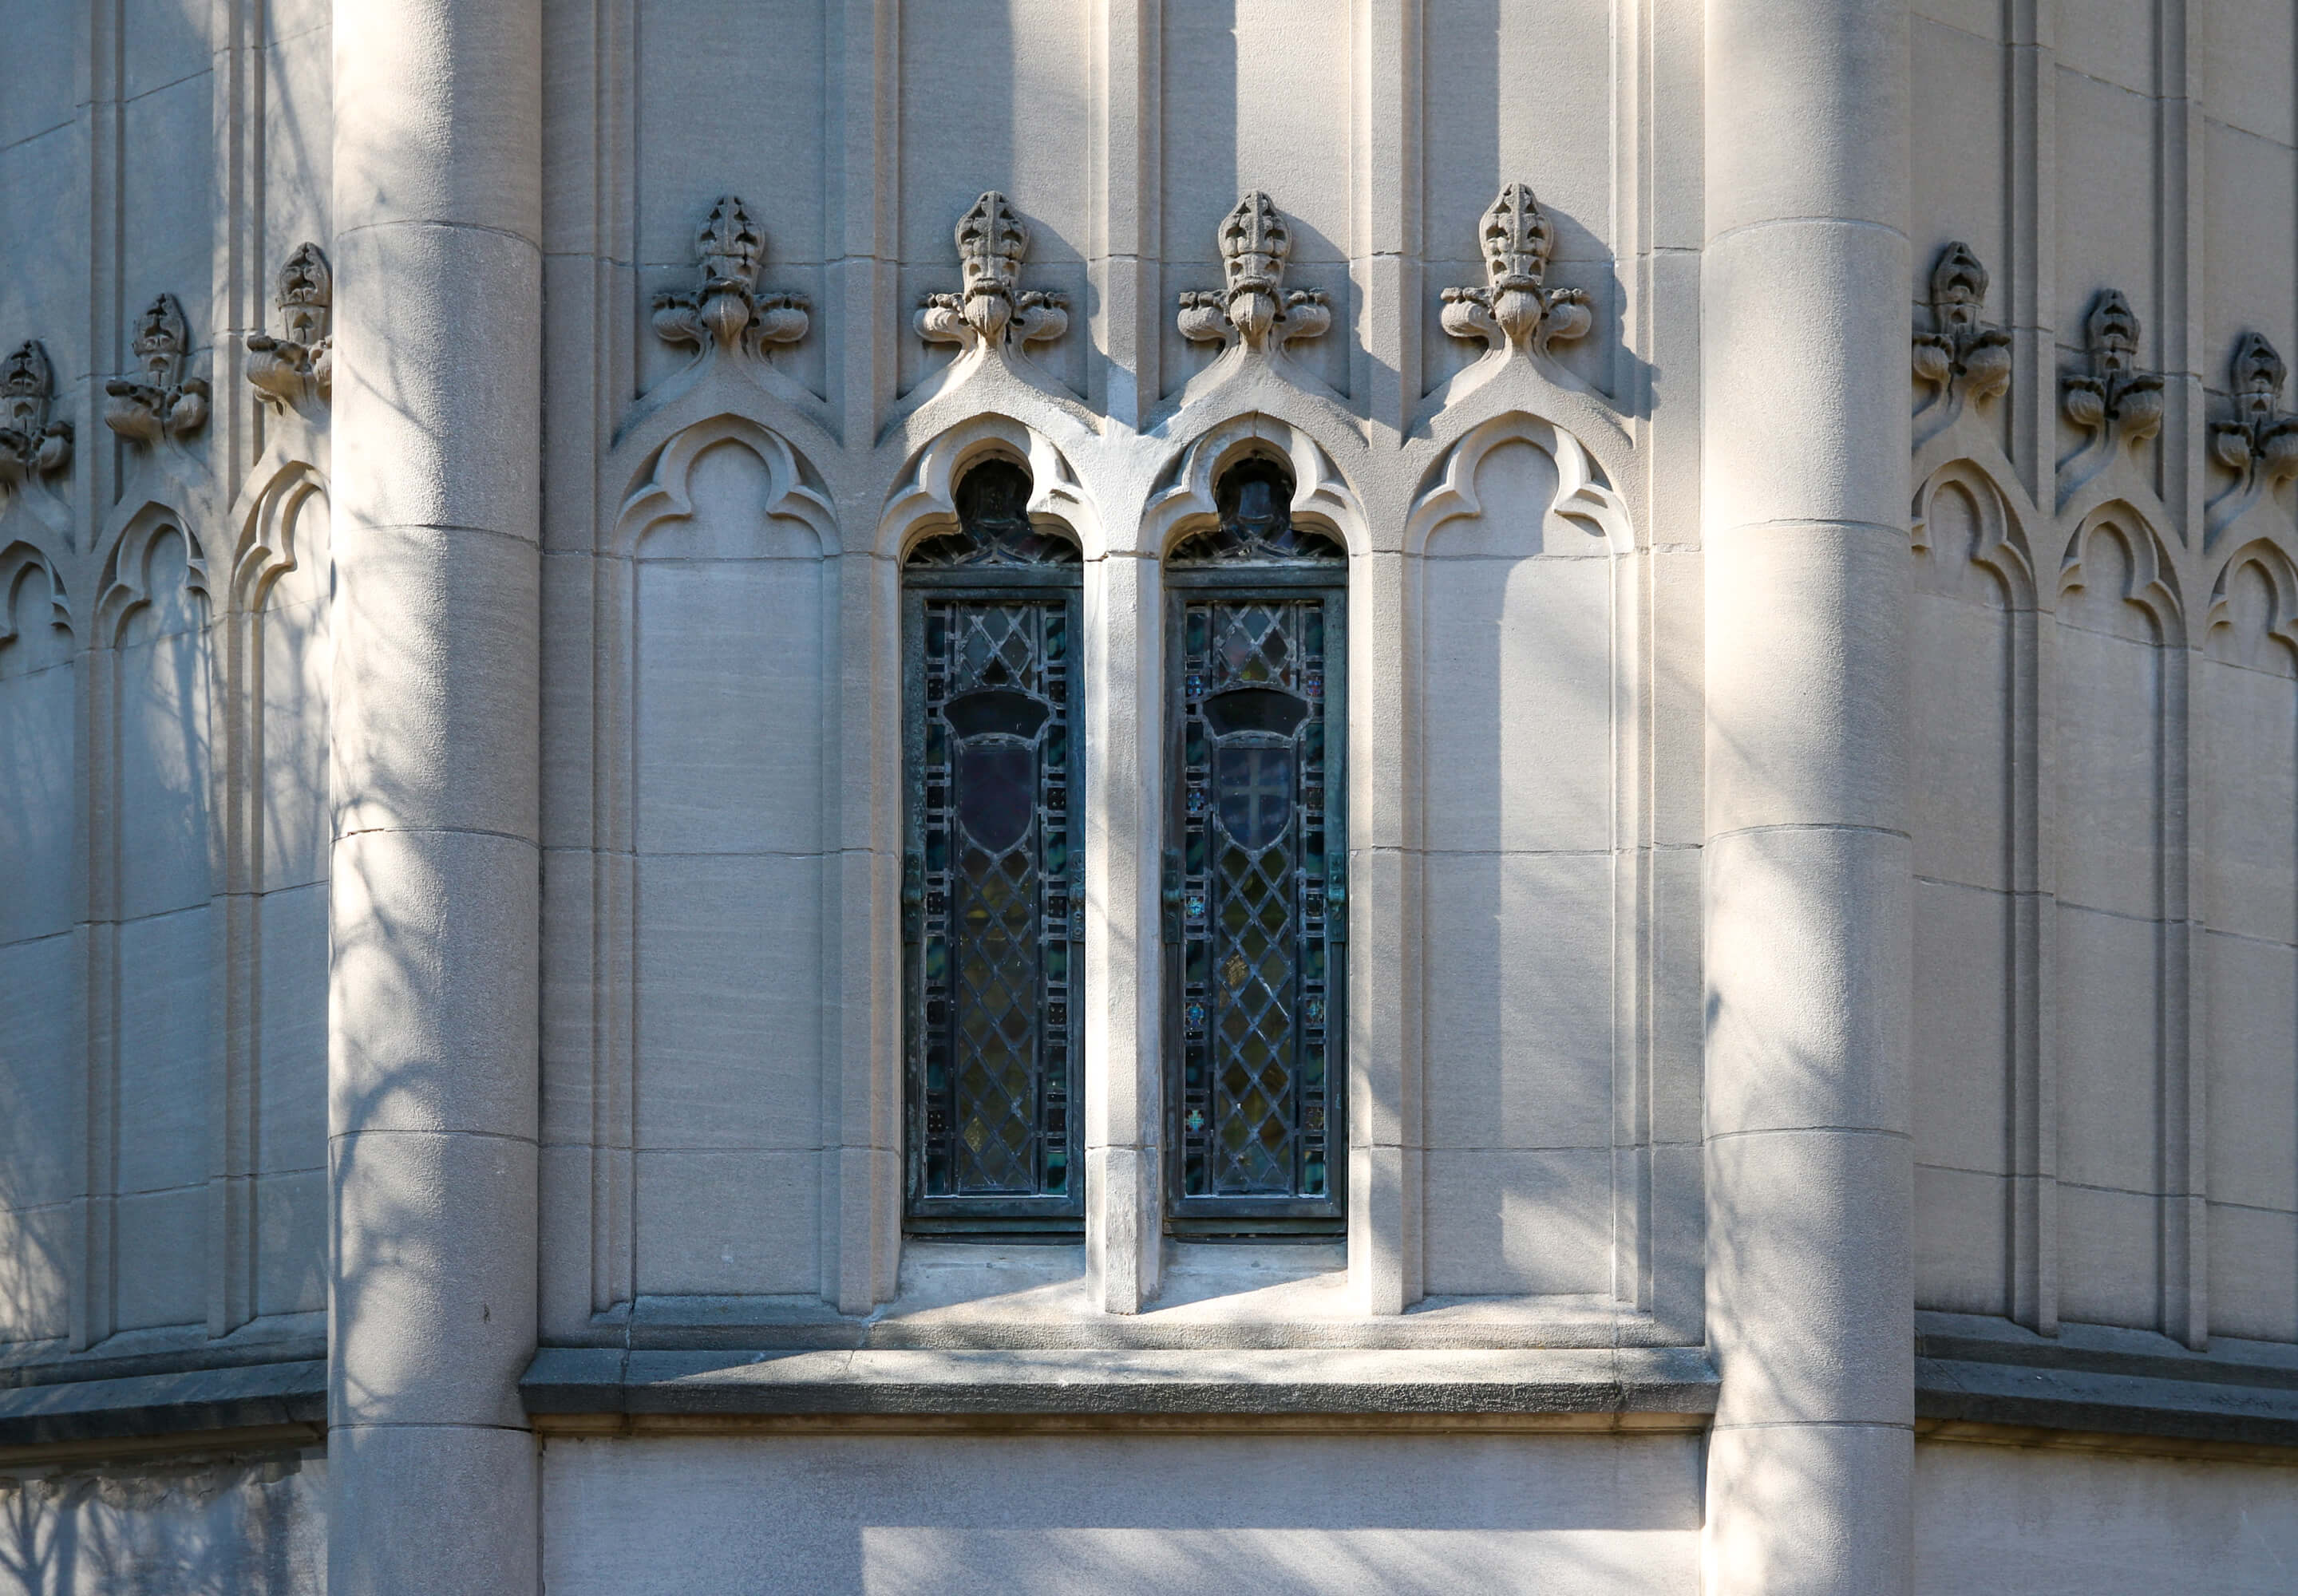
[(1256, 865), (994, 873)]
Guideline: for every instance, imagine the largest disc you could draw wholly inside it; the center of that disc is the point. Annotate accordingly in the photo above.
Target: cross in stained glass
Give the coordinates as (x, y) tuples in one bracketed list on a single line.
[(1256, 793)]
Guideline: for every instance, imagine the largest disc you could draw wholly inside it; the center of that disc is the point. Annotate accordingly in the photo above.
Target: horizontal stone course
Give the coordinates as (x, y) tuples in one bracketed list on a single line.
[(599, 1380)]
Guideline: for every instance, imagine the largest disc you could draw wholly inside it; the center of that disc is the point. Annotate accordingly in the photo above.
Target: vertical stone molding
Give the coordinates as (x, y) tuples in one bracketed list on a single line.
[(1808, 882), (432, 1042)]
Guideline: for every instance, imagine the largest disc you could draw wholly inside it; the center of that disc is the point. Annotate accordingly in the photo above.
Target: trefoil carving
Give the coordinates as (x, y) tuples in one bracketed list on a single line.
[(293, 370), (1251, 310), (727, 312), (990, 309), (159, 401), (1963, 359), (31, 445), (2117, 404), (1516, 309)]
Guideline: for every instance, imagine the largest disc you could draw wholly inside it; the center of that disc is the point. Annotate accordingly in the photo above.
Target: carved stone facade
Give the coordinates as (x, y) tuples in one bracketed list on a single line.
[(1321, 876)]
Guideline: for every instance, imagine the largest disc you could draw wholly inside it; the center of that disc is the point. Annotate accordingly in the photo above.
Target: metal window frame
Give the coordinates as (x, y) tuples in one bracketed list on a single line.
[(1242, 1218), (1045, 1217)]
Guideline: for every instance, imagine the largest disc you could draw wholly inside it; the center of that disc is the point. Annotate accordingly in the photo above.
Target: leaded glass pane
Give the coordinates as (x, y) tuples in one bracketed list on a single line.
[(1256, 523), (993, 900), (1255, 913)]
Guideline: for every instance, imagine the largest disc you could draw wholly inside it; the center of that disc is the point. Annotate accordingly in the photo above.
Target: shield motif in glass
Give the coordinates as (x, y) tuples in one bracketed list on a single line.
[(993, 905), (1256, 927)]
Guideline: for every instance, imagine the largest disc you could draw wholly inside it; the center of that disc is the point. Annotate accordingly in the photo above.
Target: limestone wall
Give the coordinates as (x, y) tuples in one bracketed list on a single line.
[(2013, 1518), (897, 1514), (1526, 1032), (2074, 703), (2103, 684), (164, 666), (246, 1524)]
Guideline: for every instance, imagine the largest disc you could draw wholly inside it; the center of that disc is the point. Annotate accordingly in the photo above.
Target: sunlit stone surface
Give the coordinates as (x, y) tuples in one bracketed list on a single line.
[(1720, 1018)]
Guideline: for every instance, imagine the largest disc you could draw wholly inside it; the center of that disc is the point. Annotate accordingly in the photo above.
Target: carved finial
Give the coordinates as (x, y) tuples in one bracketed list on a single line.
[(990, 309), (297, 368), (31, 444), (1252, 307), (2116, 402), (1515, 310), (727, 312), (1962, 357), (2260, 434), (159, 401), (2260, 444)]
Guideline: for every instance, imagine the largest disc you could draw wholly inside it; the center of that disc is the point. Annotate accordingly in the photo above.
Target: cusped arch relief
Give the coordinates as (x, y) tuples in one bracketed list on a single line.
[(923, 503), (1583, 494), (127, 580), (1971, 696), (270, 516), (18, 562), (2246, 902), (663, 491), (2149, 580), (718, 715), (1994, 539), (1186, 500), (2119, 722), (1521, 622), (2279, 574), (42, 879), (274, 683)]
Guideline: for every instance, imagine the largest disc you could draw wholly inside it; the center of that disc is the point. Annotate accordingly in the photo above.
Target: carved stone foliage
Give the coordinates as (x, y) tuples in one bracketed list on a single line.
[(2259, 443), (2116, 403), (727, 312), (2261, 439), (1251, 309), (31, 444), (293, 370), (990, 309), (1964, 359), (159, 401), (1515, 310)]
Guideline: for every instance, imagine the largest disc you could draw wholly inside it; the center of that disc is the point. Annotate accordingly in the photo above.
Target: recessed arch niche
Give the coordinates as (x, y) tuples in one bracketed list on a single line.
[(1523, 727), (720, 600)]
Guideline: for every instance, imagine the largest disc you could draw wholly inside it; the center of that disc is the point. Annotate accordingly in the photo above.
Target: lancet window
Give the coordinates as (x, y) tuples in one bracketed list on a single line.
[(1256, 865), (993, 883)]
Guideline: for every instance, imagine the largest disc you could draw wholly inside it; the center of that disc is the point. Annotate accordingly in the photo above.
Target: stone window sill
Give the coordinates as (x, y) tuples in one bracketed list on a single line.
[(603, 1391), (970, 1295)]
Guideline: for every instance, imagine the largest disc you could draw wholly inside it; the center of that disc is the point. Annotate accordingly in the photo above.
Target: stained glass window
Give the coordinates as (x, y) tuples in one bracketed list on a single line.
[(993, 887), (1256, 922)]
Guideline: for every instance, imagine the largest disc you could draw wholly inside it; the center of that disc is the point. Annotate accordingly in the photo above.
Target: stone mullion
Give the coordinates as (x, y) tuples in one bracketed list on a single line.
[(1123, 727)]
